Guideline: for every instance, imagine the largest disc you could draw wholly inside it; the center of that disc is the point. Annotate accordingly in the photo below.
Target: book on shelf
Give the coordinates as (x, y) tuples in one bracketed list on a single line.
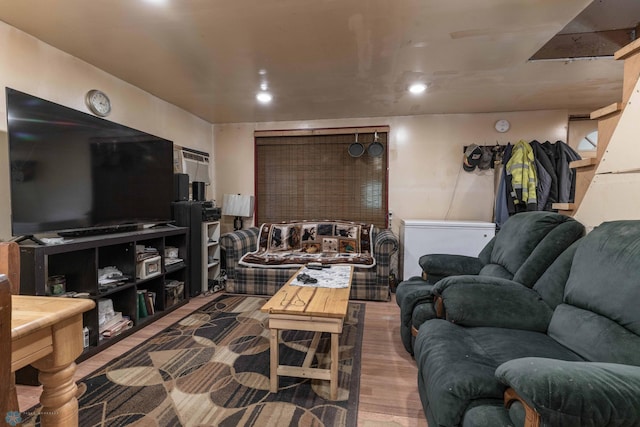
[(110, 321), (122, 325), (142, 305), (148, 299)]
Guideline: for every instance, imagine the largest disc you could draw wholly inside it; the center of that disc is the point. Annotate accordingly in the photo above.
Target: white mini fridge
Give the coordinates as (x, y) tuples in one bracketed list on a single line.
[(420, 237)]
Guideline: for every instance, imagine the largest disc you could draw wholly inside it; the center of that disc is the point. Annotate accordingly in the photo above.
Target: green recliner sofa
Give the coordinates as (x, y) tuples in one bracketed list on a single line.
[(521, 251), (564, 353)]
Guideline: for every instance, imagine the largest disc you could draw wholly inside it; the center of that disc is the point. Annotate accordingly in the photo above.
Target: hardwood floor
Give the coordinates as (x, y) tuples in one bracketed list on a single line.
[(388, 383)]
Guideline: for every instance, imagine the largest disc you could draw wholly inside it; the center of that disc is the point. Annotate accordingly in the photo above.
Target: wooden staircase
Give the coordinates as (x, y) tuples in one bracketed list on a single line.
[(608, 118)]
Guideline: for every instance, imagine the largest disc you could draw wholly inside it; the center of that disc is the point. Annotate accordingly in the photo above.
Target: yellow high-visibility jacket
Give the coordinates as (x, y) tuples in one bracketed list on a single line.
[(522, 169)]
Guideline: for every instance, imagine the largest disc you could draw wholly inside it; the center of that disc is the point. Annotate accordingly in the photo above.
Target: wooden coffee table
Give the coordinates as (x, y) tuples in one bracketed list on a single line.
[(309, 308)]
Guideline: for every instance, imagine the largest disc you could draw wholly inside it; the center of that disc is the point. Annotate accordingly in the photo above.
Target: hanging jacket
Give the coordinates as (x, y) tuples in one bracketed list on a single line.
[(543, 186), (547, 196), (566, 175), (504, 203), (522, 169), (550, 151)]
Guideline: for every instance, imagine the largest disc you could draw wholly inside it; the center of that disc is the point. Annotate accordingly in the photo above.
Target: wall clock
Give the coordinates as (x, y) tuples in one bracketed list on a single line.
[(502, 125), (98, 102)]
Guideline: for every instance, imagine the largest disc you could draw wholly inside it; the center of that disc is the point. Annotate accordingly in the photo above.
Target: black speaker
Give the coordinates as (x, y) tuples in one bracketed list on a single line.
[(180, 187), (189, 214), (197, 191)]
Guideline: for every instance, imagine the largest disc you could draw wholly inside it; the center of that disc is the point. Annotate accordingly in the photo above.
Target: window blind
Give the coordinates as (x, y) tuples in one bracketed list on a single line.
[(312, 176)]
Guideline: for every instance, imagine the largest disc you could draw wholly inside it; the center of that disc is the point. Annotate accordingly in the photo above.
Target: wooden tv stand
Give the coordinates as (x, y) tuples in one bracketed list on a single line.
[(78, 260)]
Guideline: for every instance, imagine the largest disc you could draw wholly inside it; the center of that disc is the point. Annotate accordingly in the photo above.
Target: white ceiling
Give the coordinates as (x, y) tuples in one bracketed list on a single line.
[(329, 58)]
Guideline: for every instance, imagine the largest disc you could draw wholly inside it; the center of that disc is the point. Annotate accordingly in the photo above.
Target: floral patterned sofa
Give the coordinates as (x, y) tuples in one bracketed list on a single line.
[(365, 246)]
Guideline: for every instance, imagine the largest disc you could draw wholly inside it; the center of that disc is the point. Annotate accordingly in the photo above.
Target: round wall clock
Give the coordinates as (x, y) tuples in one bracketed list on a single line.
[(98, 102), (502, 125)]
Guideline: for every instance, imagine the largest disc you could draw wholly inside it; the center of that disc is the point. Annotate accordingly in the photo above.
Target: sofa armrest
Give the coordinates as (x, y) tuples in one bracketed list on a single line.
[(491, 301), (420, 294), (438, 266), (385, 244), (236, 244), (574, 393)]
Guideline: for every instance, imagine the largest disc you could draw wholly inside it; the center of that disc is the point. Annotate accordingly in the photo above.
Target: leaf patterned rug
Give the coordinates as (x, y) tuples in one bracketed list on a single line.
[(212, 369)]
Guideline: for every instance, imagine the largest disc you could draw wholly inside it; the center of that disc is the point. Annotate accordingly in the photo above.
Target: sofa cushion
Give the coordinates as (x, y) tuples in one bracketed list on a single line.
[(600, 318), (259, 281), (457, 364), (550, 286), (411, 289), (489, 301), (563, 231), (408, 296), (528, 243), (290, 244), (236, 244), (422, 313), (490, 415), (596, 338), (576, 394), (267, 281), (438, 266)]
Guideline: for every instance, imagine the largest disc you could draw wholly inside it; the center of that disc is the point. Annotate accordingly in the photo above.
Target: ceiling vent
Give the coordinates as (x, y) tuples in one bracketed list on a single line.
[(601, 29)]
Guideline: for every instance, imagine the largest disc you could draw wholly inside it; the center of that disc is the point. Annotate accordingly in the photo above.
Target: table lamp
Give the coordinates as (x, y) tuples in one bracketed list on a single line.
[(239, 206)]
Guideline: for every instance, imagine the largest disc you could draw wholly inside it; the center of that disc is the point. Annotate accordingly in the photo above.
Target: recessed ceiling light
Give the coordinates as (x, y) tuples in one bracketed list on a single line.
[(417, 88), (264, 97)]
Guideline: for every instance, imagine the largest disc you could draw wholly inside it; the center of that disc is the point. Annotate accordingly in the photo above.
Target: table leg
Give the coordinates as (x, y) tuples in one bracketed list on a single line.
[(58, 399), (274, 361), (56, 372), (335, 346)]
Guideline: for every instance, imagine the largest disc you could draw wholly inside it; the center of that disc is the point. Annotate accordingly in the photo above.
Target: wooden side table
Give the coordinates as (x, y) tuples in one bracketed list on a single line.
[(46, 332)]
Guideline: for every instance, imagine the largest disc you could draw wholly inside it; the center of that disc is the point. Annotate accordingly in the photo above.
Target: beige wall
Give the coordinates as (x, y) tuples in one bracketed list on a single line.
[(28, 65), (426, 179)]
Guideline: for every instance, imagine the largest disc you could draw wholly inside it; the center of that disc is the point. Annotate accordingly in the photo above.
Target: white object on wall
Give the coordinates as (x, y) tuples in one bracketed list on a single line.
[(420, 237), (192, 162)]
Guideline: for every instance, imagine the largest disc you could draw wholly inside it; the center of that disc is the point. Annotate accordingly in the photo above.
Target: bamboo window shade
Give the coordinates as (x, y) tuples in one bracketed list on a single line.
[(311, 176)]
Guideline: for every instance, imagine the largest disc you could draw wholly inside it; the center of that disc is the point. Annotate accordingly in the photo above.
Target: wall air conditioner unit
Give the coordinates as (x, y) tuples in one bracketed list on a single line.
[(192, 162)]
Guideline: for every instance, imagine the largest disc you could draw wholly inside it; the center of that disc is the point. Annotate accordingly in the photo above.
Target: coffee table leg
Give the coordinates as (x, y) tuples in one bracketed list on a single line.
[(334, 366), (274, 360)]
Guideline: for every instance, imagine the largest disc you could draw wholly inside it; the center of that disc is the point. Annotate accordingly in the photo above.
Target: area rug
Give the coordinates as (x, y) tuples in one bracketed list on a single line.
[(212, 369)]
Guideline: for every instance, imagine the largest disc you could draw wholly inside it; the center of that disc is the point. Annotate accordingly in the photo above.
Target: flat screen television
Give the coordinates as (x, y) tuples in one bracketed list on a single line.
[(74, 172)]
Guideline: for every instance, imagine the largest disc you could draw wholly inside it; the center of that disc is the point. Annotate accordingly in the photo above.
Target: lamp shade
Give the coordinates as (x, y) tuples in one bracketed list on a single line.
[(237, 205)]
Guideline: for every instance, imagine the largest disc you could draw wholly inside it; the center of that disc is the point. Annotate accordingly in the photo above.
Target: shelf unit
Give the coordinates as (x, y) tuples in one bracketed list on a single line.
[(210, 253), (79, 259)]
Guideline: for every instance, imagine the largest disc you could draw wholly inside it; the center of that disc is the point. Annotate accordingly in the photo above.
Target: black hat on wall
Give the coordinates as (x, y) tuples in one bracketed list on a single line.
[(472, 156)]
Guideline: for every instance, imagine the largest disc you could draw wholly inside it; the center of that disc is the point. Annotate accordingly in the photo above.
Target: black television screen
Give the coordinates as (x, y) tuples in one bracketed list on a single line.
[(71, 170)]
